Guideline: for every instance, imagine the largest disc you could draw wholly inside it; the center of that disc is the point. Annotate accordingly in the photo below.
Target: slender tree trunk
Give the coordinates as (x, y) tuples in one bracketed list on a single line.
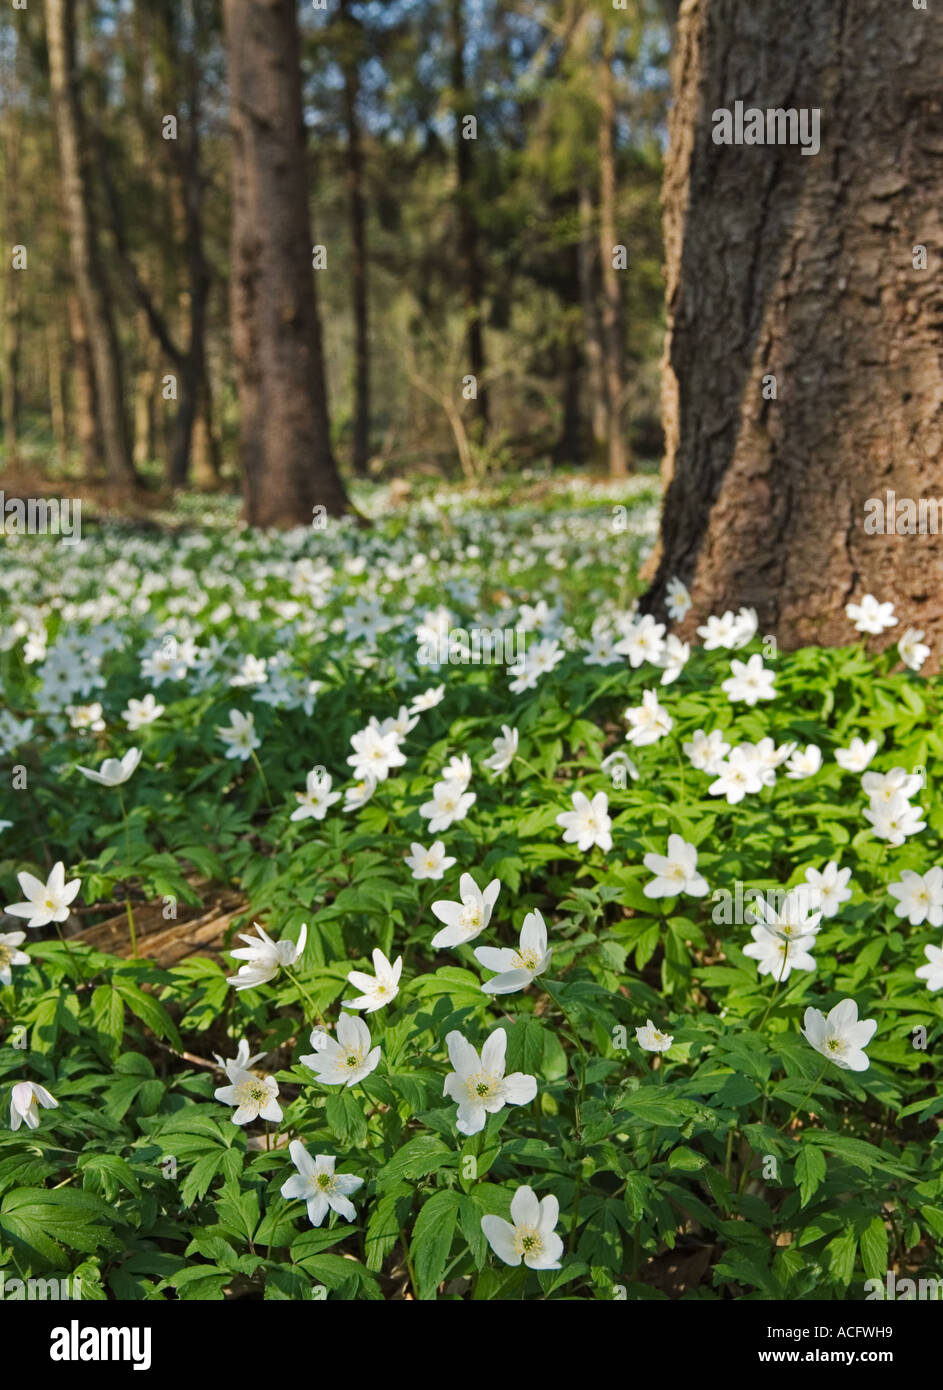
[(472, 279), (592, 330), (57, 406), (805, 338), (288, 464), (358, 242), (612, 324), (87, 268), (87, 427), (10, 367)]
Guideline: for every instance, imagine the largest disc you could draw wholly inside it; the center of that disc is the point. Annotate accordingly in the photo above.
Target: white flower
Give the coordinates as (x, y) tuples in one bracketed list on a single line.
[(450, 803), (804, 762), (797, 916), (674, 658), (9, 955), (920, 896), (588, 824), (721, 632), (86, 717), (649, 721), (677, 600), (359, 794), (375, 753), (884, 786), (933, 971), (505, 750), (478, 1084), (895, 820), (240, 737), (345, 1060), (114, 771), (643, 642), (675, 872), (241, 1062), (871, 616), (829, 888), (253, 1096), (142, 712), (45, 902), (532, 1237), (778, 956), (428, 699), (375, 990), (521, 967), (706, 751), (652, 1040), (769, 758), (857, 756), (749, 681), (319, 1186), (317, 797), (912, 649), (458, 769), (265, 957), (25, 1101), (840, 1036), (738, 775), (466, 919), (746, 624), (429, 863), (619, 758)]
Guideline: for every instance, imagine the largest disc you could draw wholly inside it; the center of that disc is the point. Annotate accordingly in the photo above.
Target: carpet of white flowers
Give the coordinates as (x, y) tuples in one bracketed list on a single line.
[(610, 968)]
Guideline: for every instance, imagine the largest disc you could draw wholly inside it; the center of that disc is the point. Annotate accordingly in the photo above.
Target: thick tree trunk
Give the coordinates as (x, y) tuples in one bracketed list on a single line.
[(358, 242), (87, 268), (288, 465), (57, 408), (472, 279), (612, 325), (796, 274)]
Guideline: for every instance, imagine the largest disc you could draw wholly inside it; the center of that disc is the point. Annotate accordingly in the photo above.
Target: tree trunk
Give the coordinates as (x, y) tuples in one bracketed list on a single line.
[(87, 428), (796, 275), (288, 465), (57, 408), (358, 241), (472, 281), (592, 329), (612, 325), (91, 284)]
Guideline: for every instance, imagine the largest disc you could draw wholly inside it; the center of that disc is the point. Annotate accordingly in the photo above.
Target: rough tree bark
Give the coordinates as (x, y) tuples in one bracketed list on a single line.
[(801, 268), (288, 464), (350, 63), (612, 326), (88, 271), (472, 279)]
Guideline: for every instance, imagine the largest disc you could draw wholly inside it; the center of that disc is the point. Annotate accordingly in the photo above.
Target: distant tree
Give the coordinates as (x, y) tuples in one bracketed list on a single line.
[(92, 286), (350, 54)]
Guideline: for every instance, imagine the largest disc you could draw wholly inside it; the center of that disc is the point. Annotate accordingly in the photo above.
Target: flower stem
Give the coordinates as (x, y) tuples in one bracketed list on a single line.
[(806, 1096)]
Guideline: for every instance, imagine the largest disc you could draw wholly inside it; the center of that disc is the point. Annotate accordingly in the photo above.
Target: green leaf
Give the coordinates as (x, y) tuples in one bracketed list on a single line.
[(432, 1240), (874, 1249), (810, 1171)]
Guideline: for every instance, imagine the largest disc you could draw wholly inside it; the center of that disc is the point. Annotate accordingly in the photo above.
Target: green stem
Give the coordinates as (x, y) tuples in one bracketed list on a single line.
[(315, 1011), (262, 776), (805, 1097)]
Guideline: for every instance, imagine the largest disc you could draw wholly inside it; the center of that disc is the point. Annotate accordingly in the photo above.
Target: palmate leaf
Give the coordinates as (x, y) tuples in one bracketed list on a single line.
[(432, 1240), (39, 1222)]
